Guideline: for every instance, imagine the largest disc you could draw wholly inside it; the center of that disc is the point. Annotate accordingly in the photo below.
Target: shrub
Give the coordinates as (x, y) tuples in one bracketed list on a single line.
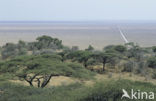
[(128, 66), (152, 62), (101, 91)]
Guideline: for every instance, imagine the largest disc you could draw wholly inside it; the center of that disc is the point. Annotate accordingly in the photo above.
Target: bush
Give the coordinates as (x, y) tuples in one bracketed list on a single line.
[(101, 91), (128, 66), (120, 48), (112, 91), (152, 62)]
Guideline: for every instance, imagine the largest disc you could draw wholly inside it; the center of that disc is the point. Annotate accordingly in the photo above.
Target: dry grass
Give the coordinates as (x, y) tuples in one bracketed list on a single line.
[(62, 80), (55, 81), (129, 76)]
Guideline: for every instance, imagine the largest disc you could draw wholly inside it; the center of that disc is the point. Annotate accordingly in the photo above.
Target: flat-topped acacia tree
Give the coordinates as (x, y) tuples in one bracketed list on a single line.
[(104, 58), (45, 42), (42, 68), (80, 56)]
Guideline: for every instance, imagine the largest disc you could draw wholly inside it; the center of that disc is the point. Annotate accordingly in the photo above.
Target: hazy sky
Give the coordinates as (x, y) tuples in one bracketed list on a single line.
[(71, 10)]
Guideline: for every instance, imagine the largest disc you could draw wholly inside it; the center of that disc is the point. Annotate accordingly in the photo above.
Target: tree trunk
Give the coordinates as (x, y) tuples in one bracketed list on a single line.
[(103, 69), (38, 82), (85, 65), (104, 63), (62, 60), (30, 80), (30, 83), (47, 79)]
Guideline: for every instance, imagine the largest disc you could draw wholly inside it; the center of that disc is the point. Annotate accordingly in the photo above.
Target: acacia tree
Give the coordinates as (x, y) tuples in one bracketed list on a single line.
[(152, 62), (42, 68), (48, 42), (104, 58), (45, 42), (22, 47), (136, 52), (154, 49), (64, 53), (120, 48), (81, 56), (9, 50), (90, 48)]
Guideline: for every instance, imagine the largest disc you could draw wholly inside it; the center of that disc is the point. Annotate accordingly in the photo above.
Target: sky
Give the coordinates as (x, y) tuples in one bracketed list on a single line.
[(77, 10)]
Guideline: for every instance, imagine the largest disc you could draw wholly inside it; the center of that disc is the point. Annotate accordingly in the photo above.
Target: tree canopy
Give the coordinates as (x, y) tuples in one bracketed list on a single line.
[(80, 56), (152, 62), (46, 42), (104, 58), (154, 49), (42, 68), (90, 48), (10, 50)]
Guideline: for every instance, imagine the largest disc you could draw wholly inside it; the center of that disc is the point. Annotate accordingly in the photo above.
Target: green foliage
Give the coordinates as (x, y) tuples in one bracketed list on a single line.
[(64, 54), (45, 42), (154, 74), (112, 91), (115, 49), (152, 62), (101, 91), (81, 56), (74, 48), (154, 49), (136, 52), (90, 48), (128, 66), (11, 50), (48, 42), (42, 68), (105, 57), (120, 48), (50, 58), (109, 47)]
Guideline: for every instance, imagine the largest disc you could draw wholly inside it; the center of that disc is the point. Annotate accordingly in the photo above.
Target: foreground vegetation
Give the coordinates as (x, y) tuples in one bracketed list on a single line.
[(37, 63), (101, 91)]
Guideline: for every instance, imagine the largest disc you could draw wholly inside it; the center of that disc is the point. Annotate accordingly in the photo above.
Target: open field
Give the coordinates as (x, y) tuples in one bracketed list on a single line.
[(82, 35)]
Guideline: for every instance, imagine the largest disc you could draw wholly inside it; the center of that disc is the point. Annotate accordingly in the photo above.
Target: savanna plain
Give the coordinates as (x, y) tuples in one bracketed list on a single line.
[(76, 61)]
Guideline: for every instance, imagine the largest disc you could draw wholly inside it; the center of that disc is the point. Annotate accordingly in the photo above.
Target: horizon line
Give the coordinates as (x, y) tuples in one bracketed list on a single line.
[(82, 22), (76, 20)]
